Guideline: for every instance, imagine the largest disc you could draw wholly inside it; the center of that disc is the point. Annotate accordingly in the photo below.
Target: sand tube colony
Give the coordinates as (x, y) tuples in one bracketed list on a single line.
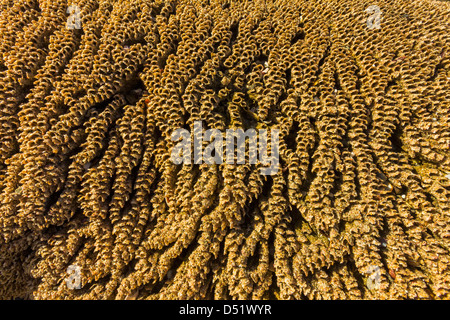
[(360, 208)]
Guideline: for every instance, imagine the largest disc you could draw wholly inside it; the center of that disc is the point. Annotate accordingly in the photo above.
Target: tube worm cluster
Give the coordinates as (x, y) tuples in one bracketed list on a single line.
[(86, 180)]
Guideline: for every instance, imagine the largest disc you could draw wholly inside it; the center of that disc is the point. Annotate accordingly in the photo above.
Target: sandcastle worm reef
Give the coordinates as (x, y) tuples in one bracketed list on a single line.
[(91, 207)]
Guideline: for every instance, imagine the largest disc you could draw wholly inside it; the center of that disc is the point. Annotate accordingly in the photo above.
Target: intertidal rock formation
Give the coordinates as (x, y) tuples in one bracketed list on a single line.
[(89, 97)]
